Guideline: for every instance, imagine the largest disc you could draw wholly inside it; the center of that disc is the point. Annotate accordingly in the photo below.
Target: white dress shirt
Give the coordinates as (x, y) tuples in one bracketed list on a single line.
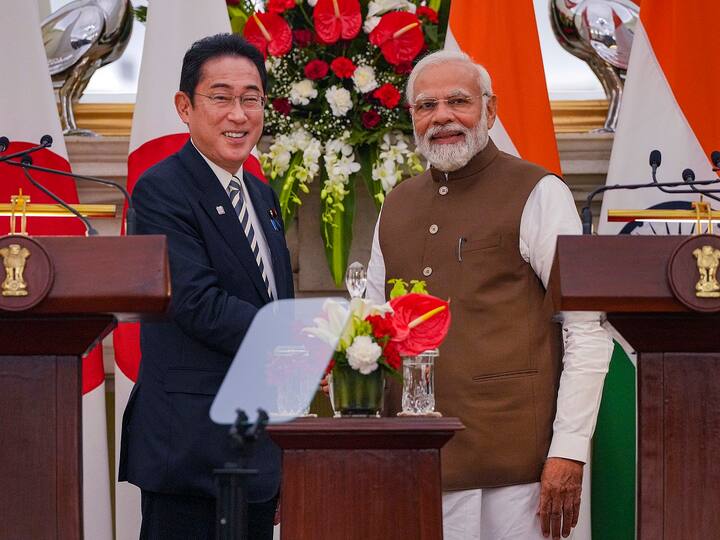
[(224, 177), (549, 212)]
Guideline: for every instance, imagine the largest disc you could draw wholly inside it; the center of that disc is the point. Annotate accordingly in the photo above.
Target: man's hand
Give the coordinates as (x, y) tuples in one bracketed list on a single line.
[(325, 386), (560, 488)]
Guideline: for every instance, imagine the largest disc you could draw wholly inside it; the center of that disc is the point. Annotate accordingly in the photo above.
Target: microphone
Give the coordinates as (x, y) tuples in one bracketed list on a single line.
[(45, 142), (4, 143), (129, 216), (688, 175), (655, 159), (25, 164), (715, 158)]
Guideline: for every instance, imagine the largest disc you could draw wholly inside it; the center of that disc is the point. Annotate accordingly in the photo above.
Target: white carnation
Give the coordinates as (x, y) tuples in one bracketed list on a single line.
[(363, 354), (364, 79), (339, 99), (302, 92)]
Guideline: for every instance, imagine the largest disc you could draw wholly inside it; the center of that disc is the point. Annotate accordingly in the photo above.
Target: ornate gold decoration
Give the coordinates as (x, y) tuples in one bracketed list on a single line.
[(14, 258), (19, 203), (708, 259)]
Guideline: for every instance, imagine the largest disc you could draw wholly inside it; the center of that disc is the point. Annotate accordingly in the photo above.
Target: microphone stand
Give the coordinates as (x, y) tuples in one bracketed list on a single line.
[(231, 522), (130, 216), (586, 212), (88, 226), (42, 146)]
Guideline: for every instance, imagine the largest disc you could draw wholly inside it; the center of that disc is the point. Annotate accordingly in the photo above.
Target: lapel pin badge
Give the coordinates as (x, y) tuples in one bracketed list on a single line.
[(273, 219), (220, 210)]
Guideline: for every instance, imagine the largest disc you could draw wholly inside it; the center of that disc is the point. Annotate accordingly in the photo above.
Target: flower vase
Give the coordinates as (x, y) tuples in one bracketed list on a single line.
[(355, 394)]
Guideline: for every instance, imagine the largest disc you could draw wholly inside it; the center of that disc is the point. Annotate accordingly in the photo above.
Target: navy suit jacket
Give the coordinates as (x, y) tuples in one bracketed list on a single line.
[(169, 443)]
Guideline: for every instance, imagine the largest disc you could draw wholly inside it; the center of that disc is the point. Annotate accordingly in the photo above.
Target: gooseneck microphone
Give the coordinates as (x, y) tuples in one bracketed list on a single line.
[(26, 162), (47, 140), (654, 161), (715, 158)]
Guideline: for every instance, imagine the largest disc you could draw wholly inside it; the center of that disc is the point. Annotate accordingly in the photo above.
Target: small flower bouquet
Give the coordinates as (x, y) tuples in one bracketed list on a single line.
[(373, 342), (337, 69)]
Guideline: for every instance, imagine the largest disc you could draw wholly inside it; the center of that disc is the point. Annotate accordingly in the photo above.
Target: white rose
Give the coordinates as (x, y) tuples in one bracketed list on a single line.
[(302, 92), (339, 99), (363, 354), (364, 79)]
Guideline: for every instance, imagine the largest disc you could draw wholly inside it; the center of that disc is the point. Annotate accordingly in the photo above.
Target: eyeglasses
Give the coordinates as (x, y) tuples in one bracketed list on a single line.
[(459, 103), (249, 102)]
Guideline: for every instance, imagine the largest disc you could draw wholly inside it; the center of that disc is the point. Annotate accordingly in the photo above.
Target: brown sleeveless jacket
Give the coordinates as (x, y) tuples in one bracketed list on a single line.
[(499, 367)]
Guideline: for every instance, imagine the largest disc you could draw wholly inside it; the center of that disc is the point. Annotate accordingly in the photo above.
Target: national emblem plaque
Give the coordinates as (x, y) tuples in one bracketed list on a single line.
[(27, 274), (692, 273)]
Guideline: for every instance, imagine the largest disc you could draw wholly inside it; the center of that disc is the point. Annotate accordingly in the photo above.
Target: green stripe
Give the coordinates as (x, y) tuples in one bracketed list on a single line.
[(613, 461)]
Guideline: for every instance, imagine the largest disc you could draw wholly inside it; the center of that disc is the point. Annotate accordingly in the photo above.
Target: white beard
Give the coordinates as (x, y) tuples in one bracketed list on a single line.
[(451, 157)]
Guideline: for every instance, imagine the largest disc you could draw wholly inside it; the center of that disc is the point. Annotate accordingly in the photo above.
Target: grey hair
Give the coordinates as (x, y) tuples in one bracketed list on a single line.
[(441, 57)]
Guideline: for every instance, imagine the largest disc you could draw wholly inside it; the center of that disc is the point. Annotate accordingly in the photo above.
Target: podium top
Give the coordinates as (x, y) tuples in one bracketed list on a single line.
[(620, 274), (125, 276)]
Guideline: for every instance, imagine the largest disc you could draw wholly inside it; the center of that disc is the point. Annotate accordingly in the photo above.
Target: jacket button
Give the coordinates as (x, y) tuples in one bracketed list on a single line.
[(427, 271), (443, 190), (433, 228)]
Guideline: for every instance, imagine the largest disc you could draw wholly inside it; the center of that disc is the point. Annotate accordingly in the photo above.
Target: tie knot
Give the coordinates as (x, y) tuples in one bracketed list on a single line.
[(234, 184)]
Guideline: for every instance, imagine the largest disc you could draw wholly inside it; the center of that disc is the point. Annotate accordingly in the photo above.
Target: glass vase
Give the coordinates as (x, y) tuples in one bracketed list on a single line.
[(355, 394), (418, 394)]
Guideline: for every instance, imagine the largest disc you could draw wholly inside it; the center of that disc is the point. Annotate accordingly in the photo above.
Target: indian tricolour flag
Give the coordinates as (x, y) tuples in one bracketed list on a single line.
[(27, 112), (670, 103), (157, 132), (502, 36)]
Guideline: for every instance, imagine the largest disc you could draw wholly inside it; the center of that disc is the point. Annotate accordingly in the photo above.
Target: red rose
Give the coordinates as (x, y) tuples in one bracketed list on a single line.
[(392, 355), (279, 6), (302, 37), (388, 95), (382, 325), (370, 119), (232, 2), (403, 68), (282, 105), (429, 13), (343, 67), (316, 69)]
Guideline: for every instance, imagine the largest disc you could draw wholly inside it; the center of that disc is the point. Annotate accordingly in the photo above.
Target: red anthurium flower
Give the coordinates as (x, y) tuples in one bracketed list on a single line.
[(336, 19), (429, 13), (399, 36), (421, 322), (269, 32), (316, 69), (342, 67), (279, 6), (388, 95)]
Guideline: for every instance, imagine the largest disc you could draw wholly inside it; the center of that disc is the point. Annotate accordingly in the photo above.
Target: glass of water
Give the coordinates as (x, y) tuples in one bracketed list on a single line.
[(356, 279), (418, 395)]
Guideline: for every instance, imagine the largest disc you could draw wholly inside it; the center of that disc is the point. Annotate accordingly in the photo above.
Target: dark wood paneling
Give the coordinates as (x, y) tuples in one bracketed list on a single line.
[(651, 455), (46, 335), (668, 332), (360, 479), (692, 439), (614, 273), (40, 400)]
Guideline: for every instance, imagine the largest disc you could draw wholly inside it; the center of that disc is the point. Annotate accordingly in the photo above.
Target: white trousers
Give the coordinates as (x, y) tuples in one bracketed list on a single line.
[(505, 513)]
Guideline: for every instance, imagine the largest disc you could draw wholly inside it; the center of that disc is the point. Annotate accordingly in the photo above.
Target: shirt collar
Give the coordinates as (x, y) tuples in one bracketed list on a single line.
[(222, 175)]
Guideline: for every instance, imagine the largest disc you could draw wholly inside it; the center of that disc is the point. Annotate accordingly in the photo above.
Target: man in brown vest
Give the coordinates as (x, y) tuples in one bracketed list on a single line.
[(479, 227)]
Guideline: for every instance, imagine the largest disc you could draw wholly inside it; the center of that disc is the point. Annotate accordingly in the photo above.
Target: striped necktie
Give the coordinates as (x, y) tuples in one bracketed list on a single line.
[(238, 201)]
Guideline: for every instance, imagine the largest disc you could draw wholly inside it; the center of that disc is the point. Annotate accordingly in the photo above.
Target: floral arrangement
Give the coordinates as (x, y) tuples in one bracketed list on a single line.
[(337, 69), (377, 336)]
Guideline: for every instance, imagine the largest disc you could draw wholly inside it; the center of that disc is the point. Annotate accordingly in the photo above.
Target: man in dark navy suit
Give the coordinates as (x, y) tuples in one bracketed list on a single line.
[(228, 258)]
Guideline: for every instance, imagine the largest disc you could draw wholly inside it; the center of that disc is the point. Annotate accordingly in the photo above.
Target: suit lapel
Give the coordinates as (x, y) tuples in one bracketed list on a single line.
[(220, 211)]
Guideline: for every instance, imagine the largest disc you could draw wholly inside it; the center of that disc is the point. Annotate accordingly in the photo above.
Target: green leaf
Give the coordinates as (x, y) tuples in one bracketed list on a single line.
[(238, 19), (287, 187), (399, 288), (337, 233), (367, 156)]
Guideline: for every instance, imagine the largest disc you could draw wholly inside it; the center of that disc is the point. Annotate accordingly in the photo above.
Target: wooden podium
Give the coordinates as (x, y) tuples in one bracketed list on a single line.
[(96, 281), (362, 478), (678, 374)]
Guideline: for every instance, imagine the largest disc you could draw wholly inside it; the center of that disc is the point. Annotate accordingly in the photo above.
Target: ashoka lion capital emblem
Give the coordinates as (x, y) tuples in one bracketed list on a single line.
[(14, 258), (708, 260)]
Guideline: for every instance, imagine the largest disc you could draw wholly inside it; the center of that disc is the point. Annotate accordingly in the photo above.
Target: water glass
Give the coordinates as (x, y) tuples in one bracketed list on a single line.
[(418, 395)]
